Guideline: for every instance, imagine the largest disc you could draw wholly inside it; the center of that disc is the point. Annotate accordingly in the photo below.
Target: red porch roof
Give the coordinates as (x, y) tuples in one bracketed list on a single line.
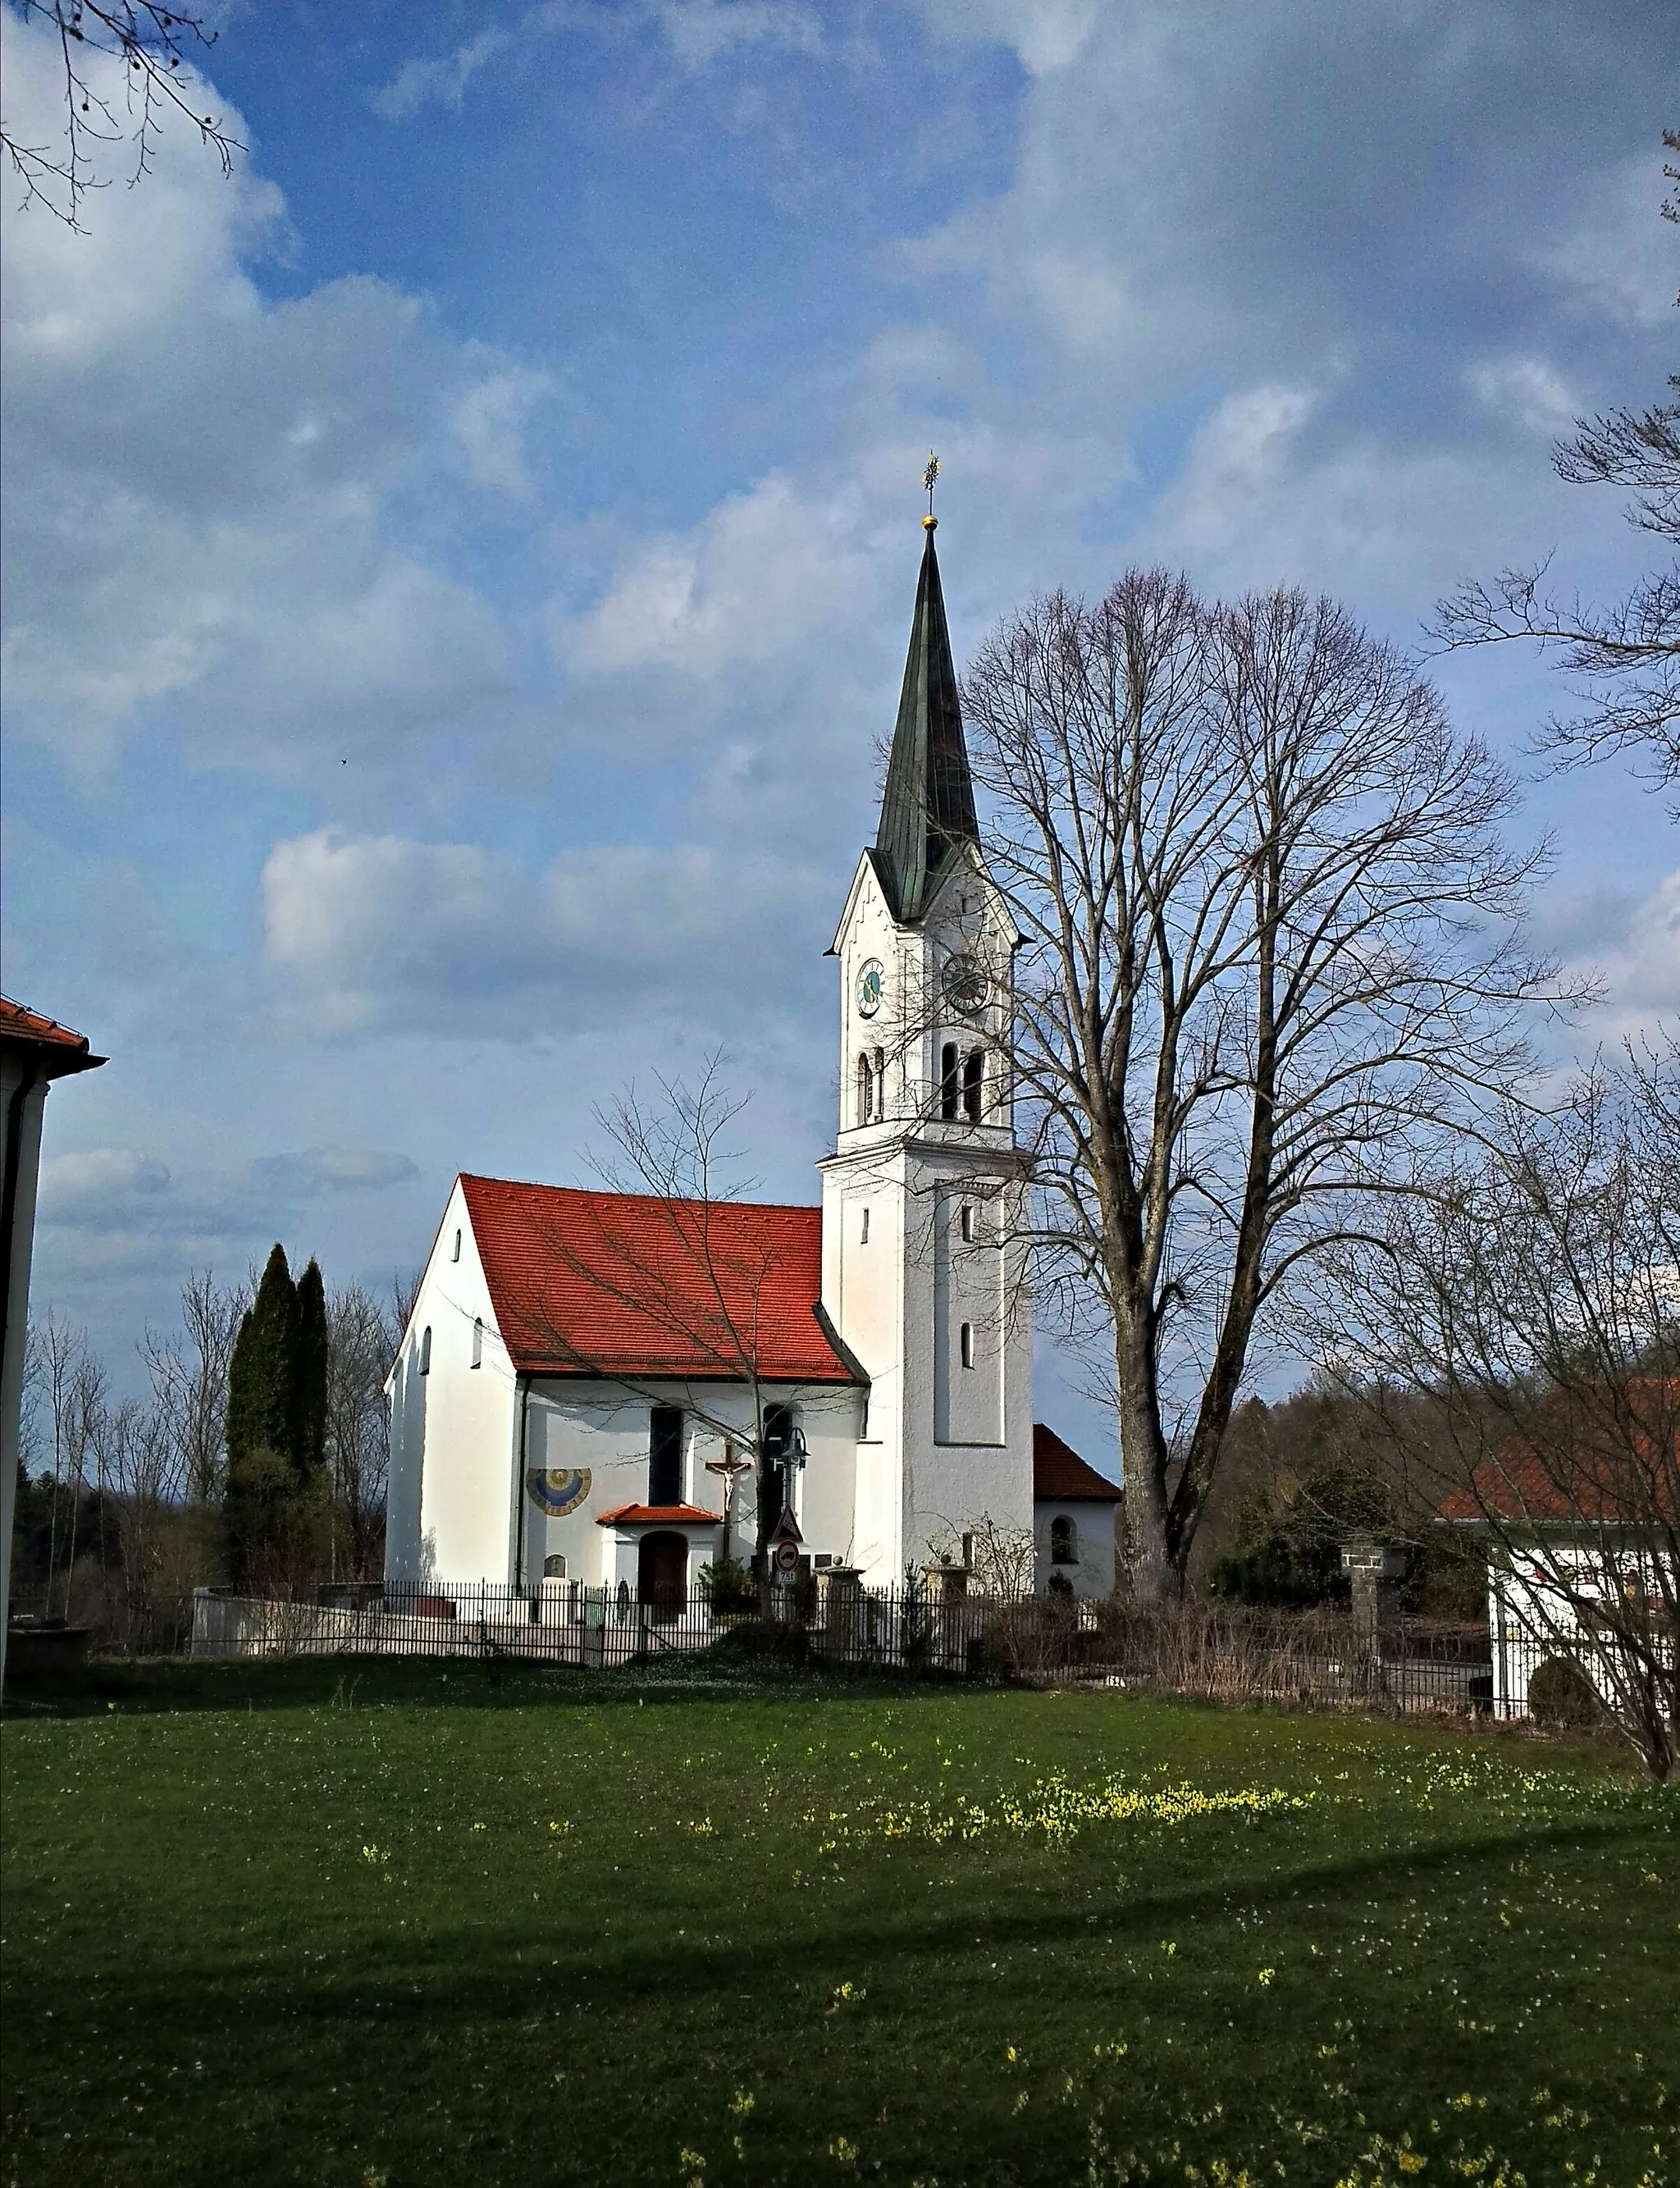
[(659, 1515), (618, 1284)]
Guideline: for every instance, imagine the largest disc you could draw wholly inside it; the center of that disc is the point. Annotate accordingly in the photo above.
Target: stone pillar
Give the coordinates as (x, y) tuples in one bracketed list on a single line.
[(1375, 1571), (840, 1611)]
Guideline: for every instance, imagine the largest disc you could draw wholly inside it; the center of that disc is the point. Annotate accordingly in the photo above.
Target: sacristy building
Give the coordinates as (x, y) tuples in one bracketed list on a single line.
[(612, 1389)]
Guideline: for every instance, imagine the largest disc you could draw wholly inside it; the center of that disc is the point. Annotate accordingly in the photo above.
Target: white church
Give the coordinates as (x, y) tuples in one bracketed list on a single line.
[(618, 1389)]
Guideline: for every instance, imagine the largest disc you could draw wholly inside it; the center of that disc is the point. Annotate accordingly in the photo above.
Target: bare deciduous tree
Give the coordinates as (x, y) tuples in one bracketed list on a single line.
[(189, 1369), (1272, 949), (126, 68), (1626, 656), (360, 1344), (1531, 1298)]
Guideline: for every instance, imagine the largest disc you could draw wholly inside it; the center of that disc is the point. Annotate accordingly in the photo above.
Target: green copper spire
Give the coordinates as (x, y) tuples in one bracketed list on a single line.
[(928, 806)]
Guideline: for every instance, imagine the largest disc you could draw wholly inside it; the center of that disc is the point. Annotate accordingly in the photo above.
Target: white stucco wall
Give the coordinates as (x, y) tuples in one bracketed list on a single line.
[(948, 1444), (1094, 1536), (453, 1428), (14, 1068), (602, 1426)]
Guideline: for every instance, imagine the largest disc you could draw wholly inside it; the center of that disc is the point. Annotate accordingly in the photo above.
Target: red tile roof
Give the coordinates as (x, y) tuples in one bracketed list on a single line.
[(622, 1284), (659, 1515), (64, 1051), (1610, 1457), (1061, 1476)]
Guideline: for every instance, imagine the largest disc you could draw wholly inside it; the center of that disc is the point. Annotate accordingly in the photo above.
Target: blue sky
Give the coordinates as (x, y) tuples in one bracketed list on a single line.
[(458, 570)]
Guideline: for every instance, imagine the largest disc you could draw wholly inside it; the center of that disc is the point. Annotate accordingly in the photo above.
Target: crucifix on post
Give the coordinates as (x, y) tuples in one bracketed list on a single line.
[(731, 1466)]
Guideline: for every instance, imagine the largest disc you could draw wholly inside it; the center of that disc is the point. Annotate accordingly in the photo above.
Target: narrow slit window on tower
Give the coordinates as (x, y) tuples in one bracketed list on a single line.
[(456, 1255), (948, 1080), (863, 1234), (478, 1341), (973, 1084), (426, 1350), (966, 1337), (968, 1222)]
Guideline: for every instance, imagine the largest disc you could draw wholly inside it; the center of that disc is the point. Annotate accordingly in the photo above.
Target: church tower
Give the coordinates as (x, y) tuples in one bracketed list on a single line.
[(924, 1196)]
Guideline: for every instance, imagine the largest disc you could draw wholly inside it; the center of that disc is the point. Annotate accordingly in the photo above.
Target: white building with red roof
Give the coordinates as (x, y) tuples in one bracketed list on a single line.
[(618, 1389)]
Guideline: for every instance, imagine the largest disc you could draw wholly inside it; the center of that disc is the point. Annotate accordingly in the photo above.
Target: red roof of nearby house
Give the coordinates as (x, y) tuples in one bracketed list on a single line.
[(622, 1284), (659, 1515), (59, 1051), (1609, 1457), (1061, 1476)]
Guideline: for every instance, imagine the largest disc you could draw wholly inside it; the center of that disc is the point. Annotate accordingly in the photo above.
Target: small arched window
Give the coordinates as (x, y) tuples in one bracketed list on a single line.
[(456, 1255), (426, 1350), (478, 1341), (1064, 1541), (949, 1083), (968, 1222), (966, 1342), (973, 1084)]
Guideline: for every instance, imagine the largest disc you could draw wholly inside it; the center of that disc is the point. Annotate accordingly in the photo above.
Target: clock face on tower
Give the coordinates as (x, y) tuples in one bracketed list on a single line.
[(966, 986), (869, 989)]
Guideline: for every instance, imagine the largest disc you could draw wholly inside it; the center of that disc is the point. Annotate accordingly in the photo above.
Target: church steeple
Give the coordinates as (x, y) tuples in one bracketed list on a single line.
[(928, 805)]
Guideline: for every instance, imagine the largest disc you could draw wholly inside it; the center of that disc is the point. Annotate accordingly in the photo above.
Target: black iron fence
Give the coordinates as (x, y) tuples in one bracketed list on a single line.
[(934, 1625)]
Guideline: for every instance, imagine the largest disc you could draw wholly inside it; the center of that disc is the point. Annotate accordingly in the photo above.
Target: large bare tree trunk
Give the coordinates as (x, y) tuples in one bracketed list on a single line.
[(1273, 956)]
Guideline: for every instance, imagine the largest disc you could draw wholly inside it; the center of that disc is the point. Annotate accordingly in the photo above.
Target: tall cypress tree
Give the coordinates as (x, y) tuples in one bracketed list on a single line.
[(309, 1378), (262, 1415)]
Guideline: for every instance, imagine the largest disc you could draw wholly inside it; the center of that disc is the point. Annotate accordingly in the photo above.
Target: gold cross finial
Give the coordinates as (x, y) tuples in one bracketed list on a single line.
[(929, 476)]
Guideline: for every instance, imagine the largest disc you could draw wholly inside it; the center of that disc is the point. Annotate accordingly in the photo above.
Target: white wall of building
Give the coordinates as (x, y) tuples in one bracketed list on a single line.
[(1093, 1573), (940, 1321), (454, 1424), (25, 1155)]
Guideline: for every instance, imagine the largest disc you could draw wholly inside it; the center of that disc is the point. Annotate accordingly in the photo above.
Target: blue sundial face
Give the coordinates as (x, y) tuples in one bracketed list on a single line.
[(869, 989)]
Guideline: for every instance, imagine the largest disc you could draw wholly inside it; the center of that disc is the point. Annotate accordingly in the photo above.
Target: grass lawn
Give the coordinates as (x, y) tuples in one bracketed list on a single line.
[(434, 1924)]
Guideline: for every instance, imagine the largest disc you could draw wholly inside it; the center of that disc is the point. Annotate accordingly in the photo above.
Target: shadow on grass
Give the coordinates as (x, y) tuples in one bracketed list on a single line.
[(431, 1979)]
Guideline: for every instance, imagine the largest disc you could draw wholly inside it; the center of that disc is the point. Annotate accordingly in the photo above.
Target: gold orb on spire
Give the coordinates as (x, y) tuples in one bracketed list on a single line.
[(930, 521)]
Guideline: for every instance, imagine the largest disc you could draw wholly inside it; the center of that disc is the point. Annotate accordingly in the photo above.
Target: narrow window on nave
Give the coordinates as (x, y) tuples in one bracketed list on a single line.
[(426, 1350), (948, 1080), (665, 1455), (478, 1341)]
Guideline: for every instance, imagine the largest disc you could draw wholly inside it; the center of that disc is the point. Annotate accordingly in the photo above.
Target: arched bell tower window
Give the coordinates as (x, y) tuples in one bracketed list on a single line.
[(949, 1081), (973, 1084), (865, 1108)]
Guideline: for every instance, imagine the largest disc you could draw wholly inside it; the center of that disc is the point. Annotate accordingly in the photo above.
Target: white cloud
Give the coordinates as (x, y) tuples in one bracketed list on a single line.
[(753, 582), (439, 82), (701, 32), (370, 932), (207, 494), (1640, 970), (489, 420), (1045, 35), (101, 1187), (1527, 389)]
